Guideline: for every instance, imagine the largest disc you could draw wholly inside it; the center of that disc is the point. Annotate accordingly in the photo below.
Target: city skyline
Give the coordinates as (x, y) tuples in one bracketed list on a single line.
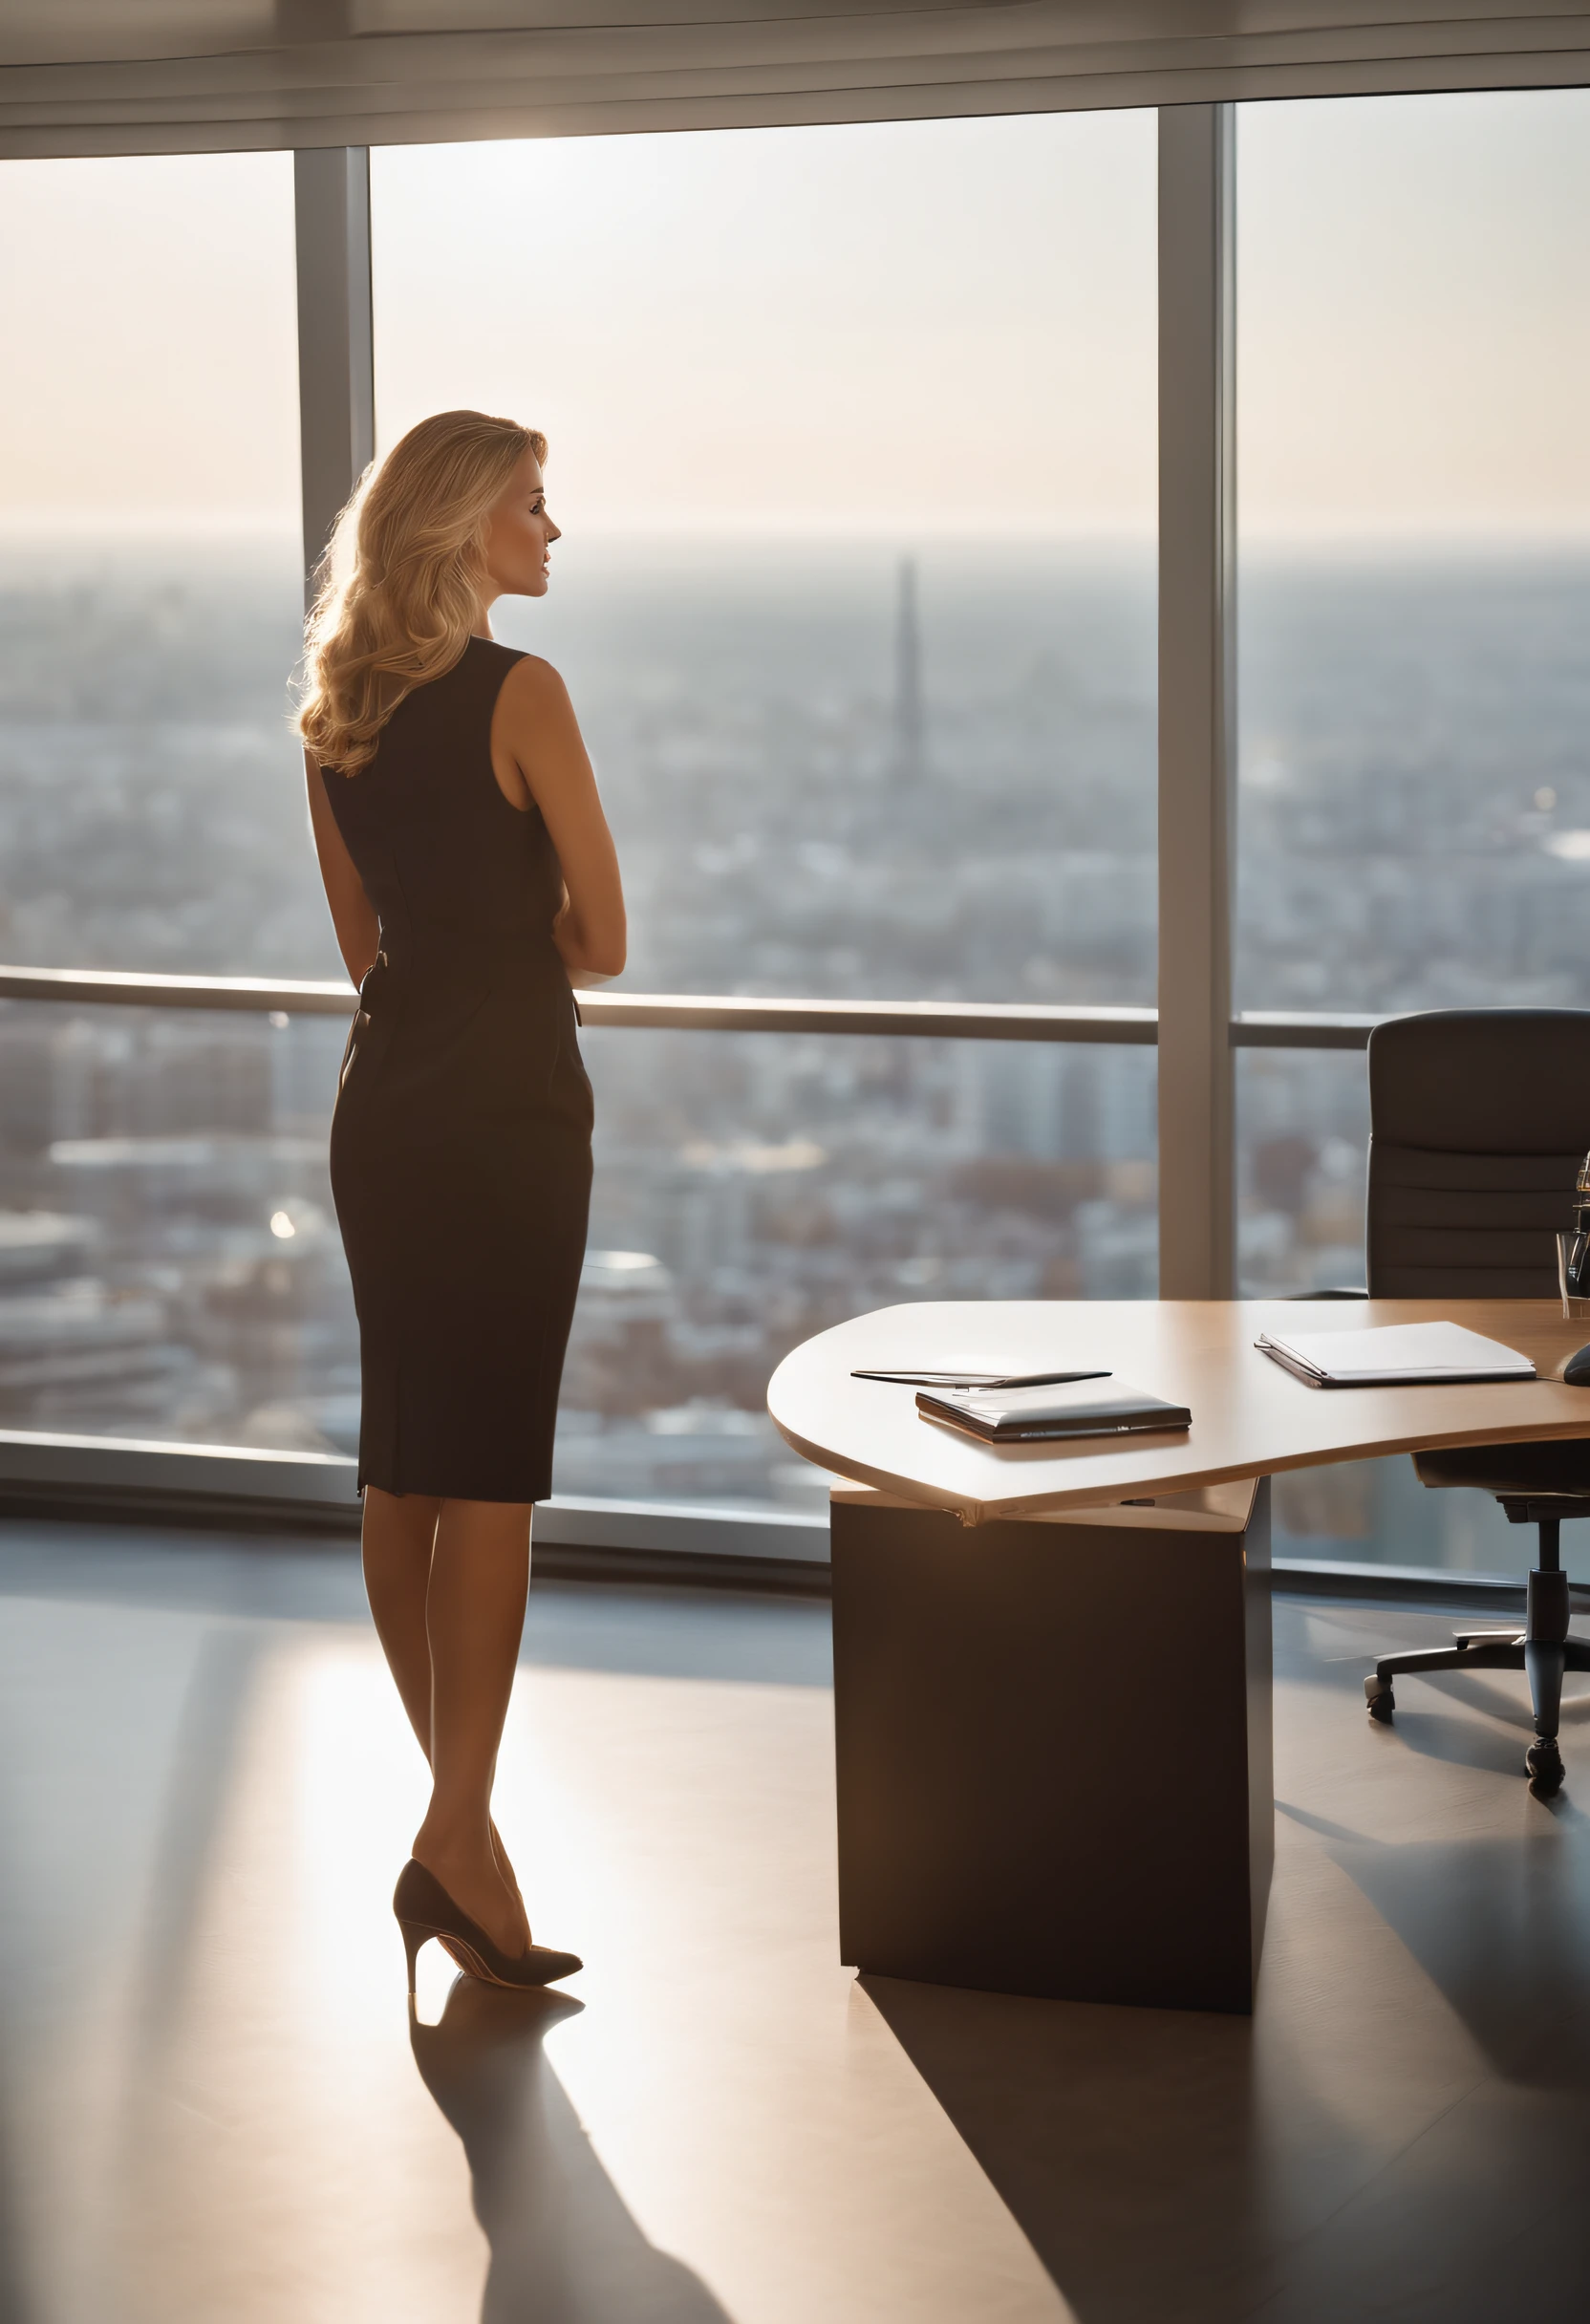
[(1415, 798)]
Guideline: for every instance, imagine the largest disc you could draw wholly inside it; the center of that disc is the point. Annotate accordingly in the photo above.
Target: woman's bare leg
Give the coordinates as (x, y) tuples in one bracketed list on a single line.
[(399, 1534), (475, 1612), (399, 1540)]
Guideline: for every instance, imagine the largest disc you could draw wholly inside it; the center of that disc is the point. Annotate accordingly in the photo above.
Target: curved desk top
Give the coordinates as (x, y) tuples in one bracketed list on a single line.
[(1250, 1417)]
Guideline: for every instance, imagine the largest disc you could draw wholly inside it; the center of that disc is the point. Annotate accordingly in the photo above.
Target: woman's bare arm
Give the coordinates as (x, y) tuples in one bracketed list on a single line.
[(535, 731), (358, 930)]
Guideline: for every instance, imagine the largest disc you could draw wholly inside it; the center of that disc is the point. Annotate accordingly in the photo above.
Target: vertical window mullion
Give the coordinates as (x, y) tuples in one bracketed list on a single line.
[(1197, 700), (337, 394)]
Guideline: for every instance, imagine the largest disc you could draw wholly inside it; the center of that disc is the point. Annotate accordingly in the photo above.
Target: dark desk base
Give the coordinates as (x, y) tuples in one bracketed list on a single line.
[(1054, 1752)]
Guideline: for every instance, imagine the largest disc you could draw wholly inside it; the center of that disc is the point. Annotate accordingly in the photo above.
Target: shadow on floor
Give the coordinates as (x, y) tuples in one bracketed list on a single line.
[(1121, 2141), (219, 1697), (1464, 1741), (563, 2244), (1506, 1699), (14, 2304), (1503, 1928)]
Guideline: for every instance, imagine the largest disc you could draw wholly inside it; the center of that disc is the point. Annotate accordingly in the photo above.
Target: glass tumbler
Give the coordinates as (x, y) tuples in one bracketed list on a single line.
[(1573, 1271)]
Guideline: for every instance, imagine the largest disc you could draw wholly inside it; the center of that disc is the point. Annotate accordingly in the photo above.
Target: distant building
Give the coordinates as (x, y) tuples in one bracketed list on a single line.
[(910, 755)]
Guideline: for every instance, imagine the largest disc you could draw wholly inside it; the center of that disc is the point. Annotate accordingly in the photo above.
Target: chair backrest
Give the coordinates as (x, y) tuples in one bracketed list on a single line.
[(1478, 1121)]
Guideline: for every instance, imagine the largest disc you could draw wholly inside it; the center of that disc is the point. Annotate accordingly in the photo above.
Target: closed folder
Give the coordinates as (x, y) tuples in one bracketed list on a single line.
[(1081, 1408), (1395, 1355)]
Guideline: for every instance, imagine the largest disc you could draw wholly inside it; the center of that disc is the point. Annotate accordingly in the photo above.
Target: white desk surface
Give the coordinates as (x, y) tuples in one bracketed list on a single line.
[(1249, 1416)]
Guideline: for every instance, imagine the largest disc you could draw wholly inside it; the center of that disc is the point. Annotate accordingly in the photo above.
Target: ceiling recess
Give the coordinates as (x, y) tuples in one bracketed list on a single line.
[(87, 76)]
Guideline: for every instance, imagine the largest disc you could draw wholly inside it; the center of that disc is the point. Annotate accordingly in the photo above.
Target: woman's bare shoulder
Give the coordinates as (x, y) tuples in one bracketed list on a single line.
[(533, 680), (535, 719)]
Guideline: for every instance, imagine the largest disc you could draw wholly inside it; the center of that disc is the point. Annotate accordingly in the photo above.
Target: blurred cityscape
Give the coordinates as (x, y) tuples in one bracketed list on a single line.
[(854, 775)]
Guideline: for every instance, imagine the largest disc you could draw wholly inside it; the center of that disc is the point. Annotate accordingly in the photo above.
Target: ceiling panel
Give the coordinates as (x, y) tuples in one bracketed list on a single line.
[(174, 76)]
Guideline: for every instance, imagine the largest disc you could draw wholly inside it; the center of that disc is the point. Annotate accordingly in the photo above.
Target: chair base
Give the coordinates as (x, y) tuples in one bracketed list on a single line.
[(1542, 1648), (1543, 1656)]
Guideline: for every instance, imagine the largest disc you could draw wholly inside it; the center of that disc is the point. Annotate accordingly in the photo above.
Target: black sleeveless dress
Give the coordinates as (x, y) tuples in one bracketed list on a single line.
[(461, 1141)]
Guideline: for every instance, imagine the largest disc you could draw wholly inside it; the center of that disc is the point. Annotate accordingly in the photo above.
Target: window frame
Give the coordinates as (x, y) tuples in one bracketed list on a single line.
[(1194, 1026)]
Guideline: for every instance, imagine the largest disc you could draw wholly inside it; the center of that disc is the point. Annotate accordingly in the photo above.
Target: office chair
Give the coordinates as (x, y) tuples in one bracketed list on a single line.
[(1478, 1121)]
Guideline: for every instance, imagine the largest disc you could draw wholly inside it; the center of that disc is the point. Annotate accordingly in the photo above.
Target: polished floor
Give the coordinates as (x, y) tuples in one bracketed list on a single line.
[(213, 2108)]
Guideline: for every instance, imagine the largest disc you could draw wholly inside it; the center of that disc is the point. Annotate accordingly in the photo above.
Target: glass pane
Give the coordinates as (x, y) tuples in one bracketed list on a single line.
[(151, 806), (752, 1190), (1414, 829), (1377, 1513), (170, 1266), (1302, 1118), (1303, 1135), (169, 1262), (1415, 583), (852, 440)]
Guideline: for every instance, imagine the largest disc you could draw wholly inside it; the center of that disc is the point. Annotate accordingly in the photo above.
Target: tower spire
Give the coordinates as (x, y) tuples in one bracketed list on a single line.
[(910, 715)]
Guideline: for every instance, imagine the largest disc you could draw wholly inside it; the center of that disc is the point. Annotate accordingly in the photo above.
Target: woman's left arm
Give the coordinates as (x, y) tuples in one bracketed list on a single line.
[(536, 724), (358, 930)]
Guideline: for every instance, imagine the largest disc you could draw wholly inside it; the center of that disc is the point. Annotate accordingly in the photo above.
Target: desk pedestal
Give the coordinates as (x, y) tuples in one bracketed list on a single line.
[(1053, 1744)]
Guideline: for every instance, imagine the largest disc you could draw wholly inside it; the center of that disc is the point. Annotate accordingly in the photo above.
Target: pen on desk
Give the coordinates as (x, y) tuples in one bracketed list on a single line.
[(990, 1379)]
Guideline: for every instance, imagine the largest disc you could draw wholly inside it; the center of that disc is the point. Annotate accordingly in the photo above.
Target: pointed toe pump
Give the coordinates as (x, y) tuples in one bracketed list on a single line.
[(424, 1910)]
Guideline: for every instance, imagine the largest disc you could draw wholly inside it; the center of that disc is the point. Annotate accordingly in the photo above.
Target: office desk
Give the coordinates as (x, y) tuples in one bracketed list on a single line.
[(1052, 1662)]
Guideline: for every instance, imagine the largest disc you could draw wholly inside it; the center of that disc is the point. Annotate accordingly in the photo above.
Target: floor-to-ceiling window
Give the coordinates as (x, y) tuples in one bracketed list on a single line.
[(1414, 375), (150, 586), (853, 441), (168, 1267)]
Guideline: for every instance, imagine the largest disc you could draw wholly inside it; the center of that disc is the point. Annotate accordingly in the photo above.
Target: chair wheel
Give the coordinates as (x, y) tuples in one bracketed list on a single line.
[(1544, 1762), (1382, 1702)]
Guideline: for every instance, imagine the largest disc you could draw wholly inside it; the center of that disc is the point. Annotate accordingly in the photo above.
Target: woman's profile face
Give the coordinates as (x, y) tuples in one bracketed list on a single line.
[(520, 534)]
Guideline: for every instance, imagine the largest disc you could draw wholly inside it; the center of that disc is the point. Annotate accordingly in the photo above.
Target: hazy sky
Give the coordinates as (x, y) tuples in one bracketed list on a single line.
[(912, 329), (1415, 313), (941, 325), (151, 358)]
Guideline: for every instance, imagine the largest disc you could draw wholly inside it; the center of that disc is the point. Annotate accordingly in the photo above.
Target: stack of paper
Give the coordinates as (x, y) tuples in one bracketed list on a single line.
[(1395, 1356)]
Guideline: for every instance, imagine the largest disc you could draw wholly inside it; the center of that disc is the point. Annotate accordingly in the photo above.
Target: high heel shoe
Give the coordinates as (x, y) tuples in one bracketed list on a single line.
[(424, 1910)]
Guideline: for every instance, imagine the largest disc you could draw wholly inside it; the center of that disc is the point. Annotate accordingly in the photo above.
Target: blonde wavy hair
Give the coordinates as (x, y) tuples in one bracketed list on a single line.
[(399, 584)]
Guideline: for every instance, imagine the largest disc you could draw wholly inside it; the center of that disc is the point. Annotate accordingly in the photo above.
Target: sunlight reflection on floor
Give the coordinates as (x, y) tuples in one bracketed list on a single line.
[(243, 2125)]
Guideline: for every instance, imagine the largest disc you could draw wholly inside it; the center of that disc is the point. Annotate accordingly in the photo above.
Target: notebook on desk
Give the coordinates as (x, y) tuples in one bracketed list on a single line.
[(1101, 1406), (1395, 1355)]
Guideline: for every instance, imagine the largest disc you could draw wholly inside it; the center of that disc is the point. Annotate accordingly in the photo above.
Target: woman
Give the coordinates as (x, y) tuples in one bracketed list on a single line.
[(472, 880)]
